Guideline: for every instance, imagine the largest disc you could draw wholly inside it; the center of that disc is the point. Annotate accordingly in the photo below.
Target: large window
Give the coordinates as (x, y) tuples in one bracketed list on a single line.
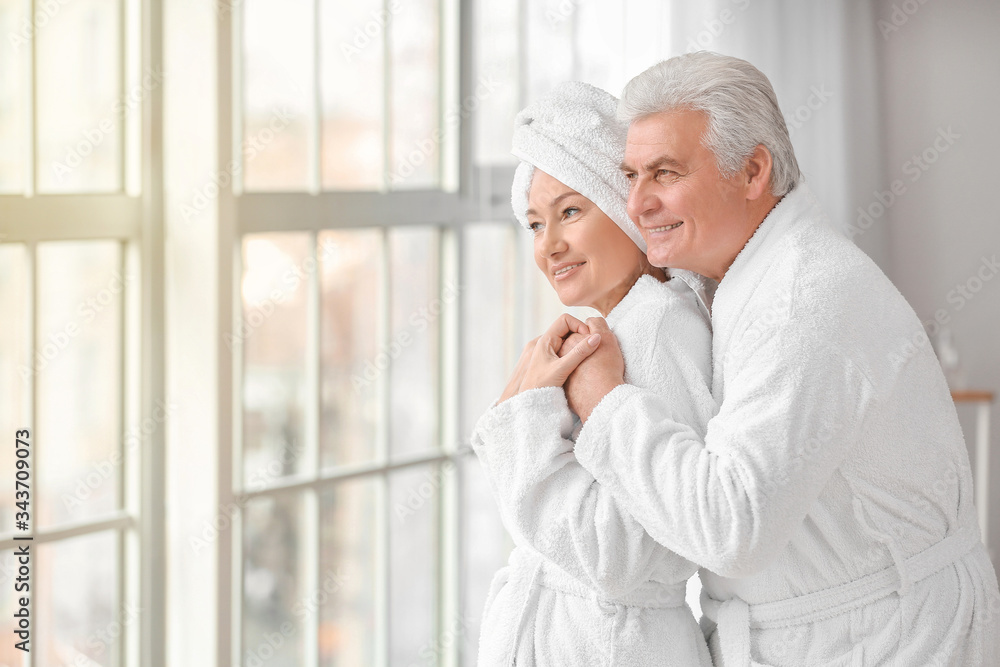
[(77, 369)]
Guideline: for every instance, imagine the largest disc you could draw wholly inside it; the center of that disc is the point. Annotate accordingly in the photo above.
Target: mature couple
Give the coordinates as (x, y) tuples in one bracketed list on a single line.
[(740, 410)]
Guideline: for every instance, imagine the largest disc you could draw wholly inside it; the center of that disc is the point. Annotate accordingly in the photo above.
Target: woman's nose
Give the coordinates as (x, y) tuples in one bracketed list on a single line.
[(552, 241)]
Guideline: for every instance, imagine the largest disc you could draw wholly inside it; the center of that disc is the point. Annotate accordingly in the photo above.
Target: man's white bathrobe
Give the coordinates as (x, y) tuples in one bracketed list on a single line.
[(585, 585), (830, 501)]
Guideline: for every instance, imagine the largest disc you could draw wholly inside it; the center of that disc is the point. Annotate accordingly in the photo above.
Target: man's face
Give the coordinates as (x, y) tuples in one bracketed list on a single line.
[(690, 216)]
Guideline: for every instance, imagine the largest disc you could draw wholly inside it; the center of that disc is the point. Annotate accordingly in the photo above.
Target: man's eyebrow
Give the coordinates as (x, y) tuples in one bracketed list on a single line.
[(652, 165)]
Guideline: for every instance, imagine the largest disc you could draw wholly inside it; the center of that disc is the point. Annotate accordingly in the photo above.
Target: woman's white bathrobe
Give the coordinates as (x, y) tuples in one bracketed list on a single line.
[(830, 502), (585, 585)]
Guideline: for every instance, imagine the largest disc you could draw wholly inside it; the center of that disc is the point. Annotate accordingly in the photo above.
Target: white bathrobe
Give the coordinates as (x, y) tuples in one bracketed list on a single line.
[(830, 502), (585, 585)]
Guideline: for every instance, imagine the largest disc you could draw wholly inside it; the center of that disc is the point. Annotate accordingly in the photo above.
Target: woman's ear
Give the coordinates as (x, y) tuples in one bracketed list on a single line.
[(757, 172)]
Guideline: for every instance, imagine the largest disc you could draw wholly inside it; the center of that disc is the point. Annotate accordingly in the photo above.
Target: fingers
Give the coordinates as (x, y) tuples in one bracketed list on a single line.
[(520, 370), (564, 325), (598, 325), (570, 342), (568, 363)]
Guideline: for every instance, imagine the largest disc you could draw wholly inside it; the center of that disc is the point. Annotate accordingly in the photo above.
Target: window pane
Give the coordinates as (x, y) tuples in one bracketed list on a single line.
[(272, 582), (15, 373), (416, 91), (352, 293), (76, 614), (485, 548), (13, 146), (352, 44), (273, 333), (347, 572), (549, 46), (487, 260), (412, 348), (497, 62), (78, 369), (278, 93), (413, 556), (79, 103)]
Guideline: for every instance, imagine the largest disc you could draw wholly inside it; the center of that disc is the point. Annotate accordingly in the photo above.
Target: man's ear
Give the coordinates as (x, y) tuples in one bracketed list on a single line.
[(757, 172)]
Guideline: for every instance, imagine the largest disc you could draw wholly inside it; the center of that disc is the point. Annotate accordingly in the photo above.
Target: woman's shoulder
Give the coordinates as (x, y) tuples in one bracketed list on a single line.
[(650, 302)]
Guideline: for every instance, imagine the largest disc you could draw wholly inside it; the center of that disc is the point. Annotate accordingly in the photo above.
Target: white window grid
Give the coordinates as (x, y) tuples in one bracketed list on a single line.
[(132, 217), (462, 198)]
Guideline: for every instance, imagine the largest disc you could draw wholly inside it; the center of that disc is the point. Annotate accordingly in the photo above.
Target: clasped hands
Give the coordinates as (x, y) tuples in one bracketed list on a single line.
[(582, 357)]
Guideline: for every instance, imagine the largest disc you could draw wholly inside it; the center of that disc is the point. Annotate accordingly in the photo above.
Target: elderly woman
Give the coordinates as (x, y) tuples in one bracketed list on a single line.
[(585, 584)]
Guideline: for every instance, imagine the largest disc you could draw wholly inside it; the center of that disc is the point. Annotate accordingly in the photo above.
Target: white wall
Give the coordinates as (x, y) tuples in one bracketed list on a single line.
[(941, 69)]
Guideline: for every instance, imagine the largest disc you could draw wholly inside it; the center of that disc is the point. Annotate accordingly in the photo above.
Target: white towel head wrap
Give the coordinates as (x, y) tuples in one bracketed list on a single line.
[(574, 135)]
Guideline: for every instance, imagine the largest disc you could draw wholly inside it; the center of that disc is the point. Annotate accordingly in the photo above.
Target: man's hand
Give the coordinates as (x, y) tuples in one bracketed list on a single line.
[(541, 365), (594, 378)]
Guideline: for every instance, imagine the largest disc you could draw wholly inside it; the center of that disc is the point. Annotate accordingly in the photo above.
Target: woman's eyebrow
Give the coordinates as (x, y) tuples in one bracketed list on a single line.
[(559, 198)]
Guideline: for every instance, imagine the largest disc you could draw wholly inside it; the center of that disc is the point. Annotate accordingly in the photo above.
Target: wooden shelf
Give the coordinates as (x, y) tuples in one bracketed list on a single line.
[(972, 396)]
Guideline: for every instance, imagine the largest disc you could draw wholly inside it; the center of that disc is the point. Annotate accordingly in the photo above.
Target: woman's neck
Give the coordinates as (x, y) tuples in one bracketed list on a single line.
[(614, 296)]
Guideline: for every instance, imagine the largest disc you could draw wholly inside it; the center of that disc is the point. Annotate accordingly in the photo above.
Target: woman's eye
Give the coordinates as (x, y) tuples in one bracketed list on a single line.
[(535, 227), (571, 211)]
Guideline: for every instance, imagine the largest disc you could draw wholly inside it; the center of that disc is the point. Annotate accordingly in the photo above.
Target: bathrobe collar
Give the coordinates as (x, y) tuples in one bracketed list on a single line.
[(735, 289)]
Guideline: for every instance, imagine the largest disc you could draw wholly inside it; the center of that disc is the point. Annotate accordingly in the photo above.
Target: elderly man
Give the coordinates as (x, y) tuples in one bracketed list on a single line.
[(830, 502)]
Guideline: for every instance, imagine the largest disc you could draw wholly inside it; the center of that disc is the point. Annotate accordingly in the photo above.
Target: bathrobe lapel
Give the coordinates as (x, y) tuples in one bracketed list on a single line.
[(742, 279)]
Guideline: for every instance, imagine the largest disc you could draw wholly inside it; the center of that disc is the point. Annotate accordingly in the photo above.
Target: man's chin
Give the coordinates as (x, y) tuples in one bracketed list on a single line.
[(660, 257)]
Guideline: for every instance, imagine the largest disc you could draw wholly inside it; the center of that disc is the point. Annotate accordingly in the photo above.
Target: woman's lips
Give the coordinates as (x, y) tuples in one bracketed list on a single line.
[(567, 271)]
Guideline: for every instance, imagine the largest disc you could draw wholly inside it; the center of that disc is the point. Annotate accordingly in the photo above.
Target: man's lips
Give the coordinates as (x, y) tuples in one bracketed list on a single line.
[(664, 228)]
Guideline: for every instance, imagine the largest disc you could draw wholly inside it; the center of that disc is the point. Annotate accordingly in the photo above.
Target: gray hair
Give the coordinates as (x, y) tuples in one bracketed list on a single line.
[(738, 99)]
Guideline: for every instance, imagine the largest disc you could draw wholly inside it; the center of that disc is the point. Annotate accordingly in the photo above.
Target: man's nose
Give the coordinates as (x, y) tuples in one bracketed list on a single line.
[(640, 199)]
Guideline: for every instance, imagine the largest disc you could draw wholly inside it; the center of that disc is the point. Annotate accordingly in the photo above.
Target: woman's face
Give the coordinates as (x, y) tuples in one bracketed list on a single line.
[(587, 258)]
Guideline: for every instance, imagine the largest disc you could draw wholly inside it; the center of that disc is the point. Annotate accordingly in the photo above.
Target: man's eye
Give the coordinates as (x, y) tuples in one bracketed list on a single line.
[(630, 175), (663, 172)]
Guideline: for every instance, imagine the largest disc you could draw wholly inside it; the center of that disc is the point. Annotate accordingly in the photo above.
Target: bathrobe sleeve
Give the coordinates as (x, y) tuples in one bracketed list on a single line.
[(548, 501), (730, 501)]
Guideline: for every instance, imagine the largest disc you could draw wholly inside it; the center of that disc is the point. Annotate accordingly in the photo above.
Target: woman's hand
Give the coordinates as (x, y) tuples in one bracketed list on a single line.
[(549, 359), (597, 376)]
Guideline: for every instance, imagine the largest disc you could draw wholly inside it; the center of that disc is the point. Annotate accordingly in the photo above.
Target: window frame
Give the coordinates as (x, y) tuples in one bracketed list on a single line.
[(475, 194), (134, 219)]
